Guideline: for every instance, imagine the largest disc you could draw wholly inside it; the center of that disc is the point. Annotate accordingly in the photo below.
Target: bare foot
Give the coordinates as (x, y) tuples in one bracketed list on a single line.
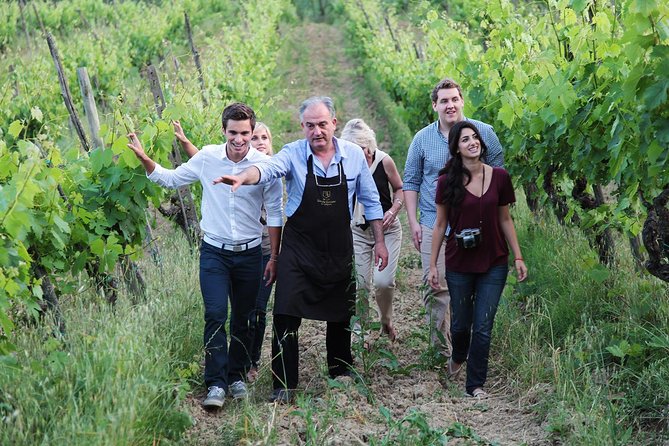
[(389, 330)]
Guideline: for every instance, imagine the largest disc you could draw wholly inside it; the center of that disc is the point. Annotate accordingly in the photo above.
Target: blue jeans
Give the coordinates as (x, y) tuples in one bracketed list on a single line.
[(235, 275), (474, 301), (258, 320)]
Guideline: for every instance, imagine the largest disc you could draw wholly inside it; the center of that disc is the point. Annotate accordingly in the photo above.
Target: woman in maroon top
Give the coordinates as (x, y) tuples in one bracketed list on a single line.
[(473, 203)]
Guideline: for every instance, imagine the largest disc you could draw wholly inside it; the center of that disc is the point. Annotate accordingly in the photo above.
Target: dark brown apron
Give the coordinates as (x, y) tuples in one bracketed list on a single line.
[(315, 268)]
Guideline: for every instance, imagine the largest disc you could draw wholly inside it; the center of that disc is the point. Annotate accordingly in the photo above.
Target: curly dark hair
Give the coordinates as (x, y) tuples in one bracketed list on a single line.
[(456, 172)]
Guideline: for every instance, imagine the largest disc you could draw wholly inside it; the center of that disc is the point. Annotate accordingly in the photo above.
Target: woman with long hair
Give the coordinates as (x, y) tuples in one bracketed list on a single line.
[(473, 204)]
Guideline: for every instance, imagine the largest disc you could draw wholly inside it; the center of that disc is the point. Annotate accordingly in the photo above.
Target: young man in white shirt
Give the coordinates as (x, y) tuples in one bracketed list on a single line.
[(230, 256)]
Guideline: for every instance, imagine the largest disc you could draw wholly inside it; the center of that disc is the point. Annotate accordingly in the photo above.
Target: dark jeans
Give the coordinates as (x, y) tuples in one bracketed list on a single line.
[(285, 350), (474, 301), (258, 320), (237, 275)]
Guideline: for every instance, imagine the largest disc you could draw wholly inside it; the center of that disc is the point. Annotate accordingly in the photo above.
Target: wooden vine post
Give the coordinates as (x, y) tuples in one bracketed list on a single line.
[(656, 235), (67, 96), (196, 58), (22, 5), (90, 109), (184, 213), (130, 272), (398, 48), (39, 19), (364, 13)]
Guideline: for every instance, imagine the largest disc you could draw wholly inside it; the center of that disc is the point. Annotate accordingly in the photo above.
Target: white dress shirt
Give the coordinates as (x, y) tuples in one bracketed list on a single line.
[(227, 217)]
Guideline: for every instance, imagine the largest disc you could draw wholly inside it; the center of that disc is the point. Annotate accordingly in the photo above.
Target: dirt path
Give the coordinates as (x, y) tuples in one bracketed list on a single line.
[(392, 376)]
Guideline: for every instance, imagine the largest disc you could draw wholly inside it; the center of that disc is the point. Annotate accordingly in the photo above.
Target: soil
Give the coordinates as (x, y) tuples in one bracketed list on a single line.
[(393, 376)]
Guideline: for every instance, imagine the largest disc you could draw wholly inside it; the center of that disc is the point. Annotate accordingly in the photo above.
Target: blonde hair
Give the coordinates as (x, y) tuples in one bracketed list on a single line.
[(262, 125), (357, 131)]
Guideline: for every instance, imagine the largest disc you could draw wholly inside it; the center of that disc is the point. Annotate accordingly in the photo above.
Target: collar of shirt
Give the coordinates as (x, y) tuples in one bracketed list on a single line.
[(340, 153), (251, 154), (436, 128)]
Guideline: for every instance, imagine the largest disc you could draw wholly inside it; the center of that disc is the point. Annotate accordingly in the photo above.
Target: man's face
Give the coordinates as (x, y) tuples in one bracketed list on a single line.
[(318, 126), (449, 106), (238, 135)]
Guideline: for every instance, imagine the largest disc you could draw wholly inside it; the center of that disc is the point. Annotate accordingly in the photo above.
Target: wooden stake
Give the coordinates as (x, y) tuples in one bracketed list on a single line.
[(196, 58), (89, 106), (392, 34), (362, 8), (188, 219), (67, 96), (22, 4), (39, 20)]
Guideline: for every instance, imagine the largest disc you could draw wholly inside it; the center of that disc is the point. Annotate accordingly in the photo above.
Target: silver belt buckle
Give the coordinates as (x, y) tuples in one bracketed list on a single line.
[(238, 248)]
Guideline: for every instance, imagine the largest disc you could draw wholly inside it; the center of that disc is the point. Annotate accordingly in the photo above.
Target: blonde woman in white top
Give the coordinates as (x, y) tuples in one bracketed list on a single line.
[(380, 284)]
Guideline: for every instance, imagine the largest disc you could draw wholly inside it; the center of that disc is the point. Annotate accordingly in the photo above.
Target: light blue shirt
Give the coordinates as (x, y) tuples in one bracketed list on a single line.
[(291, 162), (227, 217), (428, 154)]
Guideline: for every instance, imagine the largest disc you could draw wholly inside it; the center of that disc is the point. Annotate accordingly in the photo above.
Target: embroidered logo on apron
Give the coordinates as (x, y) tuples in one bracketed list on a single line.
[(326, 198)]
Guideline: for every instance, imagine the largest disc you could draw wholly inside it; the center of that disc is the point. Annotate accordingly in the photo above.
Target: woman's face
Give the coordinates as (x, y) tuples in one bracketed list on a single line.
[(469, 145), (261, 141)]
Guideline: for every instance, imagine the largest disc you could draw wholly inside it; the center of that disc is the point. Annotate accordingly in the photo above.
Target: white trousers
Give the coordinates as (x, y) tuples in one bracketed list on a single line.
[(369, 278)]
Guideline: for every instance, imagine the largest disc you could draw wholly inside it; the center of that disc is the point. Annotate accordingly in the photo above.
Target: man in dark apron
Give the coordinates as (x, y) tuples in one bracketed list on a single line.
[(315, 267)]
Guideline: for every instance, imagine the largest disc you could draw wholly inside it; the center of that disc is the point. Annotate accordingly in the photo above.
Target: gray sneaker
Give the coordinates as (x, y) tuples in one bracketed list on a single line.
[(238, 390), (215, 398)]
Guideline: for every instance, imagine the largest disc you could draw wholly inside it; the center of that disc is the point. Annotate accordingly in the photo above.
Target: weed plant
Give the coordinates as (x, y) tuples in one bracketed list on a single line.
[(117, 376), (599, 336)]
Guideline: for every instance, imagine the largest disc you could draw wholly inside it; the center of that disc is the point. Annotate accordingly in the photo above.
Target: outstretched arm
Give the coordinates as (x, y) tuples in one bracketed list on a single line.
[(188, 146), (249, 176), (136, 146)]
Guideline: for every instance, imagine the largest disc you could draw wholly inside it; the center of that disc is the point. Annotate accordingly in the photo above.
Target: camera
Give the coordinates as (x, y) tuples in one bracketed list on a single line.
[(468, 238)]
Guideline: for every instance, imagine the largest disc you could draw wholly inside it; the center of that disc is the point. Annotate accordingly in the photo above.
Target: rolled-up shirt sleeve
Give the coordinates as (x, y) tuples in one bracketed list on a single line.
[(413, 169), (273, 196), (183, 175), (367, 194), (275, 167)]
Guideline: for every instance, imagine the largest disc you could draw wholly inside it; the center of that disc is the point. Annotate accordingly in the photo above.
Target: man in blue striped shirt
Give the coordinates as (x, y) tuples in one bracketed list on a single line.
[(428, 153)]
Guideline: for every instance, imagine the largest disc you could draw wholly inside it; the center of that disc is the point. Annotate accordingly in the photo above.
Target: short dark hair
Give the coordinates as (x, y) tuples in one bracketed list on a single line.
[(443, 85), (238, 112)]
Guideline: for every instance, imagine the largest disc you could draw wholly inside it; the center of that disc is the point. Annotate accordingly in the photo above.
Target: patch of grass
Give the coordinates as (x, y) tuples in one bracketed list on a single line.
[(114, 377), (598, 335)]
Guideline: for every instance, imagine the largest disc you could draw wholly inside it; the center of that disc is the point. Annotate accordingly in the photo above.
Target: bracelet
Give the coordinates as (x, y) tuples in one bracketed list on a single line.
[(518, 258), (400, 202), (273, 258)]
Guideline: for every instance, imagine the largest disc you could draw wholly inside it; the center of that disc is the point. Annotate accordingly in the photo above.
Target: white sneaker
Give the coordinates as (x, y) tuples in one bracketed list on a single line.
[(215, 397), (238, 390)]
